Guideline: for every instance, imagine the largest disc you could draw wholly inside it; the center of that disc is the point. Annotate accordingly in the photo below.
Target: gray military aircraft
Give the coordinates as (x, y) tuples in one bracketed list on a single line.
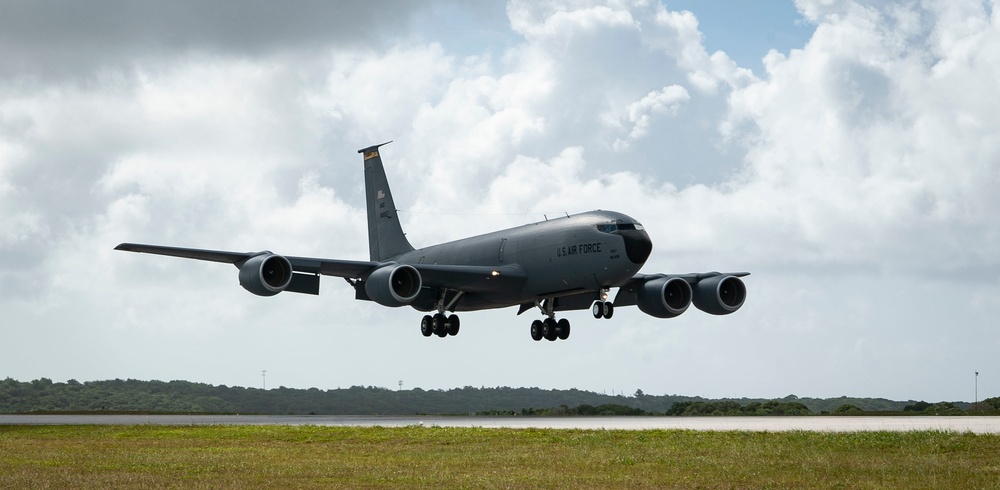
[(562, 264)]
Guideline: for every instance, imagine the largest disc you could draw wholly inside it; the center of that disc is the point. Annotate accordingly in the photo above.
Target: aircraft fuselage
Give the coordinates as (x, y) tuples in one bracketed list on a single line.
[(561, 257)]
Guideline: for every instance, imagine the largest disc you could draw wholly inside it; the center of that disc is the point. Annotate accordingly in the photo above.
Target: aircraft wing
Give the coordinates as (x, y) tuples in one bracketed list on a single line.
[(472, 278), (692, 278), (327, 267), (628, 289), (467, 278)]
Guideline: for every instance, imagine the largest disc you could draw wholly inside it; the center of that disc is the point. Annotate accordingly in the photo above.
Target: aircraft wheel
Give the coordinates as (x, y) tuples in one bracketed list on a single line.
[(440, 329), (598, 309), (536, 330), (426, 328), (453, 324), (609, 309), (562, 329), (549, 329)]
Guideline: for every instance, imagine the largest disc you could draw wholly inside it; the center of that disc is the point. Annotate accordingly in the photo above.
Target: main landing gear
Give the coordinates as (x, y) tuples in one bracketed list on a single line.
[(439, 325), (549, 329)]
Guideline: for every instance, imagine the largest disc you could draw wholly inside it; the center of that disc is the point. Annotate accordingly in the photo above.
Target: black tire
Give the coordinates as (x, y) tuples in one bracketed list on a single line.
[(549, 329), (440, 329), (562, 329), (598, 309), (609, 310), (426, 328), (453, 325), (536, 330)]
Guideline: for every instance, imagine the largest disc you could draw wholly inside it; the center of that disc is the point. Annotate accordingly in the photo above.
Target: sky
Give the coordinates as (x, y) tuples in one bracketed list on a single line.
[(845, 152)]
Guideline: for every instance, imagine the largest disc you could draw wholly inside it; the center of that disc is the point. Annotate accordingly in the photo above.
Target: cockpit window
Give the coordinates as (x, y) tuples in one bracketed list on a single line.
[(630, 226), (615, 227)]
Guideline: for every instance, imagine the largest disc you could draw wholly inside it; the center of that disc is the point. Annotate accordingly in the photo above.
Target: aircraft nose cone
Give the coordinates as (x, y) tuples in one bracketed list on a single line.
[(637, 245)]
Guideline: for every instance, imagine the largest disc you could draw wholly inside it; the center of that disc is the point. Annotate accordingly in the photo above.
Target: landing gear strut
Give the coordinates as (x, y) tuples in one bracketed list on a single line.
[(439, 324)]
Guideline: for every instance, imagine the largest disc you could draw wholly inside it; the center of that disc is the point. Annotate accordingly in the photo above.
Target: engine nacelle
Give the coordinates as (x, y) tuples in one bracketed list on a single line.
[(394, 285), (665, 297), (266, 274), (720, 295)]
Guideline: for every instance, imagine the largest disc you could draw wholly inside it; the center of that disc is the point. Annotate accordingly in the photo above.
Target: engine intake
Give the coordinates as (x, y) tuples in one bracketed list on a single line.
[(394, 285), (665, 297), (266, 274), (720, 295)]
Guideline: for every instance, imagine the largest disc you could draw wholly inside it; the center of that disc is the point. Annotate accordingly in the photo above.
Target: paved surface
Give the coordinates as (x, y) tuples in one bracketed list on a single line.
[(982, 425)]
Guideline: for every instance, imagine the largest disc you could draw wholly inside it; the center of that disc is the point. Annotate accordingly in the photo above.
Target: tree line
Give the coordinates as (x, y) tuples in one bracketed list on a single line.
[(130, 395)]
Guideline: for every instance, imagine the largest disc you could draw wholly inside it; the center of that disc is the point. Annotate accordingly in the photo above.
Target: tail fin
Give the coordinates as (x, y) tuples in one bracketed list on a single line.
[(385, 235)]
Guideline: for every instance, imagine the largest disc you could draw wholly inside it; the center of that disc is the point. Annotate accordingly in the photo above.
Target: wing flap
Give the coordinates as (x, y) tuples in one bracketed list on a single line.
[(332, 267)]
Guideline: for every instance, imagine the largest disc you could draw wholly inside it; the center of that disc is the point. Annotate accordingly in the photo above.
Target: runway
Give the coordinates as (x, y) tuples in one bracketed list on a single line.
[(980, 425)]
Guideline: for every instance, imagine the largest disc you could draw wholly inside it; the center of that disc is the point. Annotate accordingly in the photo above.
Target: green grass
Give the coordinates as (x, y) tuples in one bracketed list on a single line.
[(358, 457)]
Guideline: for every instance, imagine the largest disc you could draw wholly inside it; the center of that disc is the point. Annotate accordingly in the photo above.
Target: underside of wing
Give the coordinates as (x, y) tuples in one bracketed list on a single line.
[(472, 278), (187, 253), (327, 267)]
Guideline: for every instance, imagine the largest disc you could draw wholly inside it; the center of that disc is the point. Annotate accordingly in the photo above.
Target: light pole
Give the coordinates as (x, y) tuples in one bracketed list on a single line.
[(263, 379)]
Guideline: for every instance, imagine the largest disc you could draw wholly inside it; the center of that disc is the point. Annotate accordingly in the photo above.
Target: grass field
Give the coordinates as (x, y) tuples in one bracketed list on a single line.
[(360, 457)]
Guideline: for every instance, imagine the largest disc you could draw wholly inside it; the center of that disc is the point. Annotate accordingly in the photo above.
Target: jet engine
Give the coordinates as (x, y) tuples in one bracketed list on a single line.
[(266, 274), (664, 297), (719, 295), (393, 285)]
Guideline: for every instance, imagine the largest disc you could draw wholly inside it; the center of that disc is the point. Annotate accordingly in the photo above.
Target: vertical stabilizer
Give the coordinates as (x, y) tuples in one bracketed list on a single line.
[(385, 235)]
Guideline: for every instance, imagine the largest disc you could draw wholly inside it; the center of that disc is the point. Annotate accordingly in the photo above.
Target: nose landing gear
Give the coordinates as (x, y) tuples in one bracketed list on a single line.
[(603, 309)]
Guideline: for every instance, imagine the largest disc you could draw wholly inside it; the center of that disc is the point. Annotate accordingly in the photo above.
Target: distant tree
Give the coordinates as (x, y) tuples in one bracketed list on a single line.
[(990, 403), (944, 408), (790, 408), (678, 408), (917, 407), (847, 408)]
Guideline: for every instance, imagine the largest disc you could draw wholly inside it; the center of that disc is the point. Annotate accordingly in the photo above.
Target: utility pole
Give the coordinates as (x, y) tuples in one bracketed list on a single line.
[(263, 379), (977, 390)]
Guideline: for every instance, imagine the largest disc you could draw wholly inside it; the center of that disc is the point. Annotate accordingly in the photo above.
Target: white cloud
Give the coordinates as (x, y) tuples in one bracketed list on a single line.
[(867, 147), (560, 22), (682, 39), (639, 113)]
